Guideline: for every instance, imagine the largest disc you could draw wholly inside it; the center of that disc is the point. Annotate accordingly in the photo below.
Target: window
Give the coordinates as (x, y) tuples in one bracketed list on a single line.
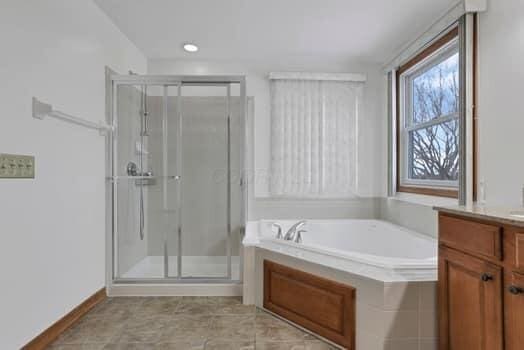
[(314, 138), (428, 120)]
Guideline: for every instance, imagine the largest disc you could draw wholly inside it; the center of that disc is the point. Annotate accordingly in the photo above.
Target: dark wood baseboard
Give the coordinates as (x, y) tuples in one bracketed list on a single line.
[(50, 334), (323, 306)]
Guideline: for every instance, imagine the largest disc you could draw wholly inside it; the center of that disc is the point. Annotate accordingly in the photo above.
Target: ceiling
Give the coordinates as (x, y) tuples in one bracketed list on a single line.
[(369, 31)]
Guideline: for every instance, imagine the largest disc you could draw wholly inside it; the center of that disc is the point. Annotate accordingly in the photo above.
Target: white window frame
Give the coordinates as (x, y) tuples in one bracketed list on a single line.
[(406, 113)]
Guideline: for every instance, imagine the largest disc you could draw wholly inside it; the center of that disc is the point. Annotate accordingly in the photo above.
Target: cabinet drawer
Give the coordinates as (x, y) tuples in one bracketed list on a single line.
[(477, 238)]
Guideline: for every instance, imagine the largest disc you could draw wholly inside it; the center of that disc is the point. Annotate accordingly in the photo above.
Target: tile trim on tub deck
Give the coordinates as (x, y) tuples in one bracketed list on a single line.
[(357, 268)]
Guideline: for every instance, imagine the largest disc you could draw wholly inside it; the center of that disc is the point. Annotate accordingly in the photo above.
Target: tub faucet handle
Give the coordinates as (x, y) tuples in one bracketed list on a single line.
[(279, 230), (298, 237)]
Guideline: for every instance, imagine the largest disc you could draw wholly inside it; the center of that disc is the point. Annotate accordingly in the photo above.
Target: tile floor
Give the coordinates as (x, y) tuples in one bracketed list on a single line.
[(210, 323)]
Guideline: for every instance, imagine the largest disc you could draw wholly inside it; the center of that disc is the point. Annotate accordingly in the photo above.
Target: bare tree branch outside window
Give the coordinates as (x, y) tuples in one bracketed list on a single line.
[(433, 148)]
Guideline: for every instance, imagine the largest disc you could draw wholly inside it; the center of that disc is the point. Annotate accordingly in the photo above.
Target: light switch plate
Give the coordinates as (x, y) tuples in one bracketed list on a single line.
[(14, 166)]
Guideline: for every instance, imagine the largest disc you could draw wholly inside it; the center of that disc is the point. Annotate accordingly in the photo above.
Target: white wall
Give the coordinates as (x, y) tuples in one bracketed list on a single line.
[(408, 213), (501, 118), (53, 227), (371, 168)]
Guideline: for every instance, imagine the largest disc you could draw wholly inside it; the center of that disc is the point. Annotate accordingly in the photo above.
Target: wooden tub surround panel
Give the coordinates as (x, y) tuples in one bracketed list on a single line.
[(325, 307)]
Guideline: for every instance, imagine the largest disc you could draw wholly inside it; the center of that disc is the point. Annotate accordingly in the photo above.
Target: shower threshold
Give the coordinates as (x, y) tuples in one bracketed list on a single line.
[(193, 267)]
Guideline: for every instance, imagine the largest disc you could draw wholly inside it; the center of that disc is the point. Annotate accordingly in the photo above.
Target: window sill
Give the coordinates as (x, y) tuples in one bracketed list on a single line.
[(425, 200), (429, 191)]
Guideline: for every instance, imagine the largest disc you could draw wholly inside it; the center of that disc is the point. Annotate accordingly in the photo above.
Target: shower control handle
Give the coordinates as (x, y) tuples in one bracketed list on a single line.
[(131, 169)]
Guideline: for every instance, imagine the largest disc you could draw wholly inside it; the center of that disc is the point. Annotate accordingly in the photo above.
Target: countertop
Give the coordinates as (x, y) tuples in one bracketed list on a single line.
[(497, 214)]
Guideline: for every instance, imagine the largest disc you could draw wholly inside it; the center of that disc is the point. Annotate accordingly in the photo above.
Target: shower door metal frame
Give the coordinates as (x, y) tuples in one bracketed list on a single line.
[(166, 81)]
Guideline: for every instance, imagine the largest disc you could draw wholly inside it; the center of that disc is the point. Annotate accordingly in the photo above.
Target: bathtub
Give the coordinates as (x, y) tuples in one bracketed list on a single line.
[(392, 270), (371, 248)]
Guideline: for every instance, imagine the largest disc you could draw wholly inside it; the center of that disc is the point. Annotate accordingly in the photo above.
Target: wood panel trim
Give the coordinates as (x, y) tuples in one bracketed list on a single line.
[(434, 47), (439, 192), (342, 334), (54, 331)]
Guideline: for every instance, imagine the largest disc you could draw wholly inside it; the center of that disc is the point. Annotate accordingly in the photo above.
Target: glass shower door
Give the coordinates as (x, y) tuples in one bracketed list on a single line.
[(144, 181), (176, 159), (205, 210)]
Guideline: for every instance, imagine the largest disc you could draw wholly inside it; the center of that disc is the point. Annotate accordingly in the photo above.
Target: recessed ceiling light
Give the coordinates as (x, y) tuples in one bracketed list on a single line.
[(190, 47)]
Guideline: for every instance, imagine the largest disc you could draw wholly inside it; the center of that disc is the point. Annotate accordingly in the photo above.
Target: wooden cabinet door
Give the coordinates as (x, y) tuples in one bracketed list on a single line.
[(470, 302), (514, 310)]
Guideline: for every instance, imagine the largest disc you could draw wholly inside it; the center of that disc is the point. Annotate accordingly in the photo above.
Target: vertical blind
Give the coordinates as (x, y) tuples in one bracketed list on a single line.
[(314, 138)]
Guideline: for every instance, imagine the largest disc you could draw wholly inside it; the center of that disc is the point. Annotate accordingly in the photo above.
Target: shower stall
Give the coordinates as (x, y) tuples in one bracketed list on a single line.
[(177, 195)]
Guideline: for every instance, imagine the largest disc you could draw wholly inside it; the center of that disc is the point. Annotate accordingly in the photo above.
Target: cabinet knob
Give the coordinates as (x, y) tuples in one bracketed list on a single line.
[(515, 290), (486, 277)]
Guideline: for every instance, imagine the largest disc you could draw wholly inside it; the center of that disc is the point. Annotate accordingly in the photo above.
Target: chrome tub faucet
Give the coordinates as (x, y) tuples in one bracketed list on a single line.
[(292, 232)]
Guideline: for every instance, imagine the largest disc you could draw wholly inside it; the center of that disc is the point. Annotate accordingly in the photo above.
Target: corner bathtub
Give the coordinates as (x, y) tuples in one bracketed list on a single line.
[(371, 248)]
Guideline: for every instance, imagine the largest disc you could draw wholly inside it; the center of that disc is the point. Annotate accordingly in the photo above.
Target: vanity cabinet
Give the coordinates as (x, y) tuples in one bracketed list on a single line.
[(481, 284), (470, 302), (515, 311)]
